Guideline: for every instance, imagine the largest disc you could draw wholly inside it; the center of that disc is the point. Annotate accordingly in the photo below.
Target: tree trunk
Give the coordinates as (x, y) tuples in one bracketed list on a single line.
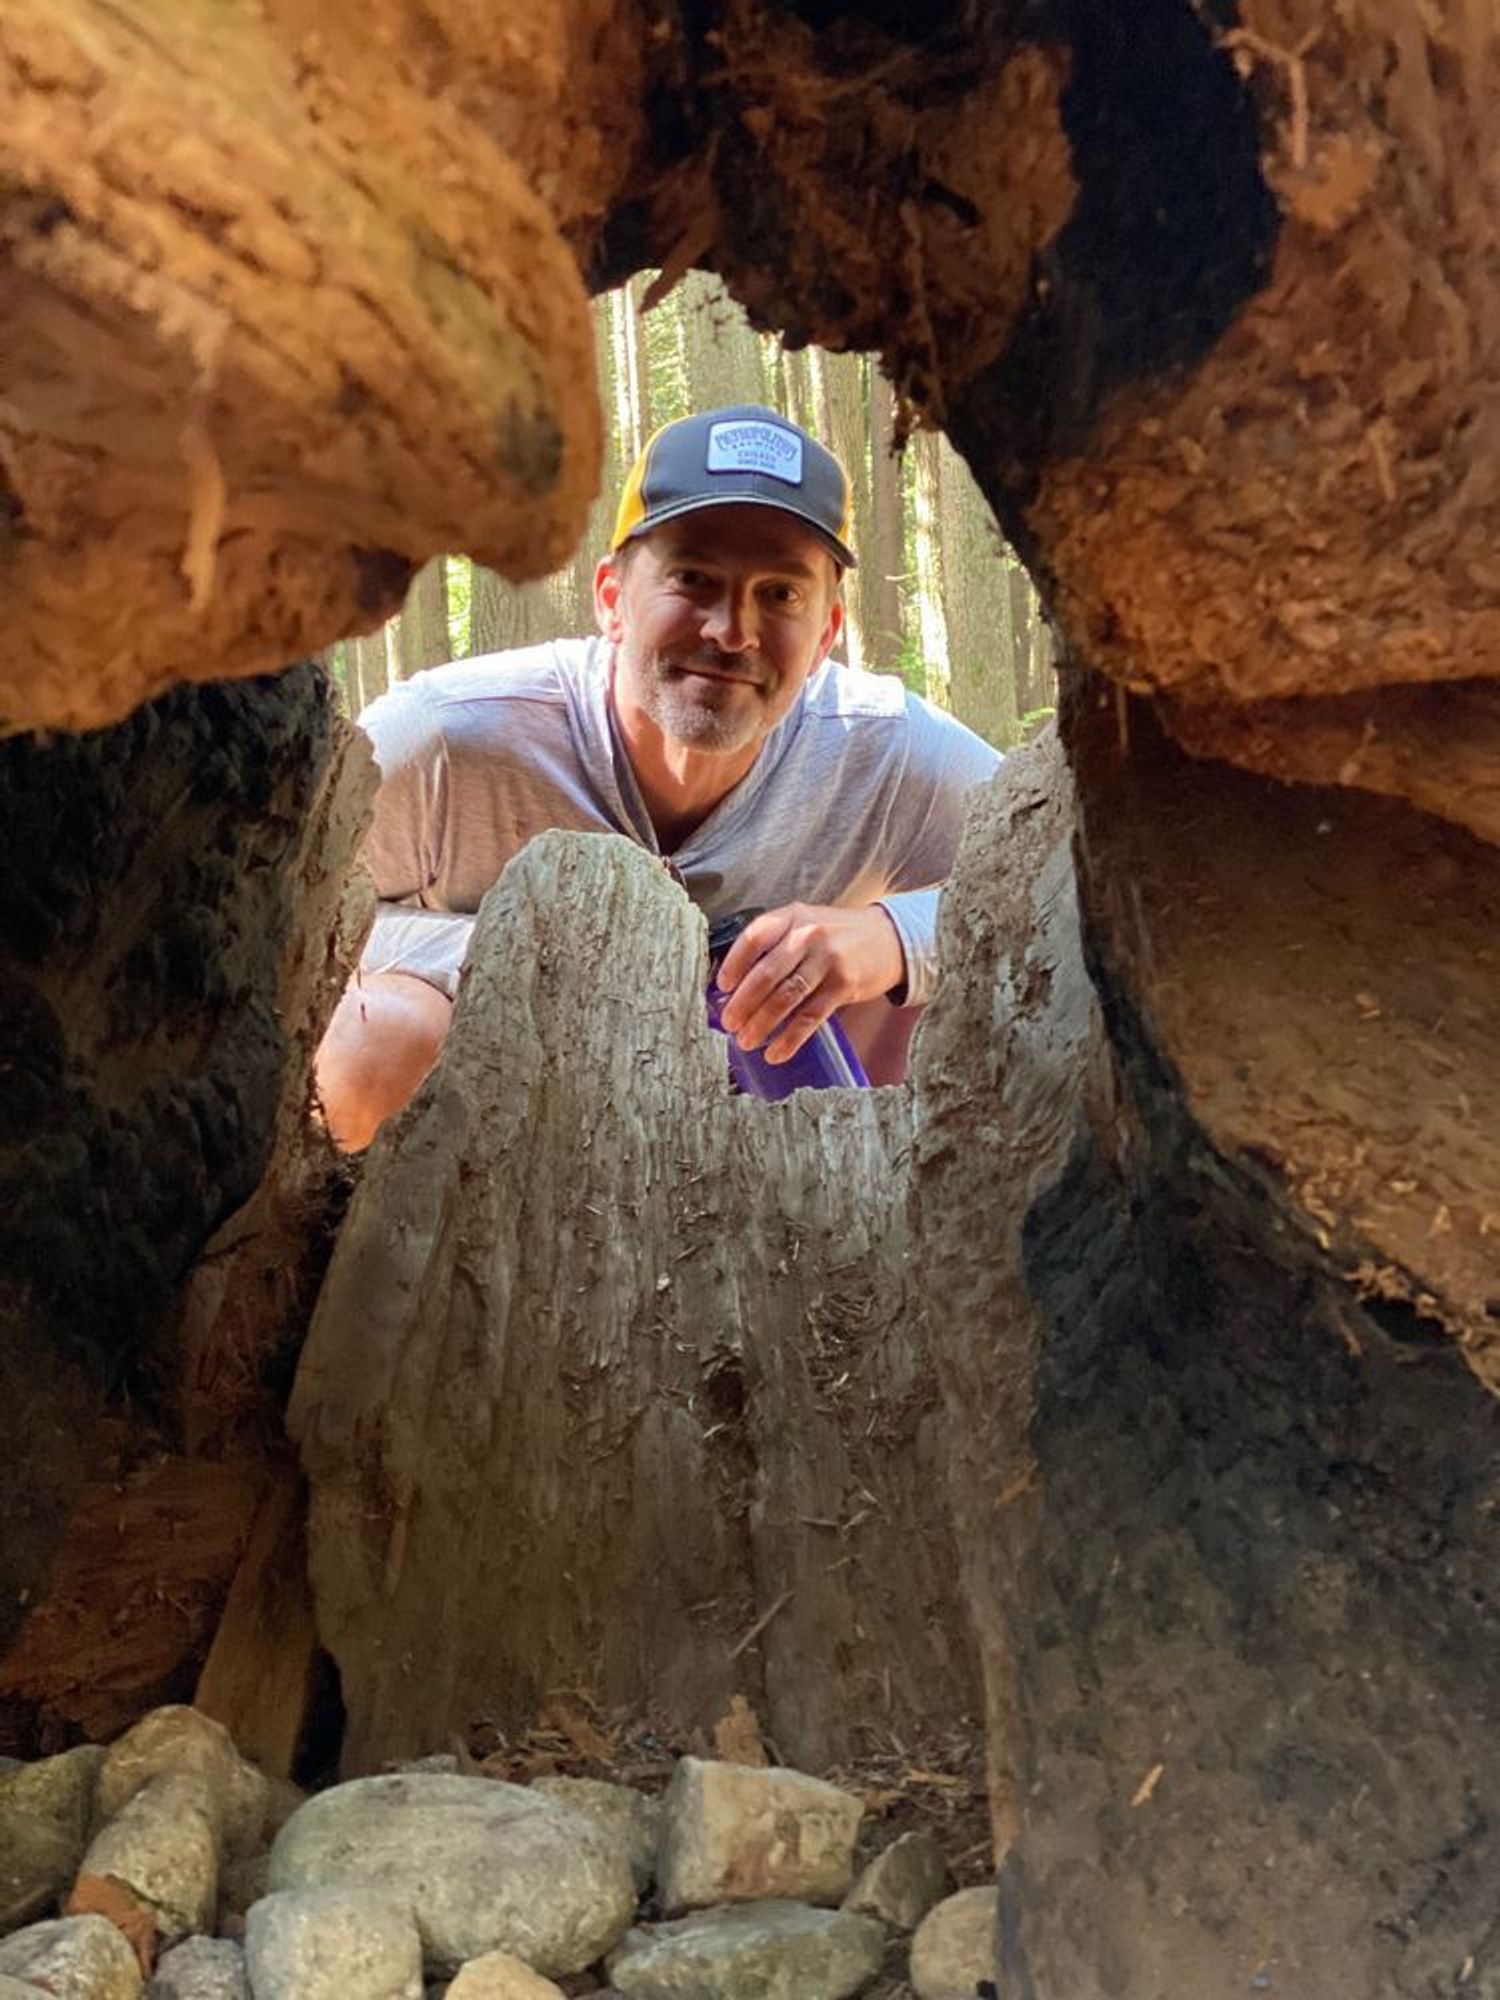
[(421, 632), (580, 1234), (881, 561), (721, 359), (840, 398), (935, 665), (976, 606), (372, 665)]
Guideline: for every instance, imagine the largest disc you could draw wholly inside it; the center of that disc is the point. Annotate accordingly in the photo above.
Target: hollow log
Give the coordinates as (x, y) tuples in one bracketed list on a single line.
[(1199, 1294)]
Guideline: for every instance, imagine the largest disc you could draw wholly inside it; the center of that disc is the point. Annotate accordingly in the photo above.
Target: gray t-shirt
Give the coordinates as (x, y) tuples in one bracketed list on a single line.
[(855, 798)]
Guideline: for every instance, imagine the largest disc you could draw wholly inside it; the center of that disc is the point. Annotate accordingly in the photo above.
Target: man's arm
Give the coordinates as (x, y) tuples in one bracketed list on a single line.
[(793, 967)]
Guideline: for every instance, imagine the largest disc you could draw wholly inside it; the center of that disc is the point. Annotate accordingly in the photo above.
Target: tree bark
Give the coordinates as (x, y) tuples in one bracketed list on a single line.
[(236, 353), (722, 1291), (1250, 1606), (421, 631), (877, 580), (936, 664), (976, 606), (192, 864)]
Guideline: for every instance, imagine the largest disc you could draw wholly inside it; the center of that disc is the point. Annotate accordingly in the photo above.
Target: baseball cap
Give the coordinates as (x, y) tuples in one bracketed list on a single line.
[(743, 454)]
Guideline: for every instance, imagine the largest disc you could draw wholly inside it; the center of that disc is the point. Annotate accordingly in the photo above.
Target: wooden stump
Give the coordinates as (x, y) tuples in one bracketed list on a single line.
[(619, 1382)]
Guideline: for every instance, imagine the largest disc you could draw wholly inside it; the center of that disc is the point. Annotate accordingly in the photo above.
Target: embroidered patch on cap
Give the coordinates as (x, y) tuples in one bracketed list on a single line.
[(753, 447)]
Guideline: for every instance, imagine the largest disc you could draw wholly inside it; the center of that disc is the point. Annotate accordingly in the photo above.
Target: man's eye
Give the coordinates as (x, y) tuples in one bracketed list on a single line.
[(785, 596), (690, 579)]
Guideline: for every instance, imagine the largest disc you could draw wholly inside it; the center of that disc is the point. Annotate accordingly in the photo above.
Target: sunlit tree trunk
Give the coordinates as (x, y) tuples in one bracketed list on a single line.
[(839, 399), (422, 629), (932, 625), (976, 605), (372, 672), (880, 554)]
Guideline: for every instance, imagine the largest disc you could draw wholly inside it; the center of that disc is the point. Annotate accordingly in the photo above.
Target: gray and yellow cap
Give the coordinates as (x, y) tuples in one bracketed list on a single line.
[(744, 455)]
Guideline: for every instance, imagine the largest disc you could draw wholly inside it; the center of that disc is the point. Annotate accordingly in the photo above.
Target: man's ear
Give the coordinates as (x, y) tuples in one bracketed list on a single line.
[(608, 584), (833, 628)]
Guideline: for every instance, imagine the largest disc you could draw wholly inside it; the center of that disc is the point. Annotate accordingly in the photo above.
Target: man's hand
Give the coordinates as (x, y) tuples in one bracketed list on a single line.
[(790, 969)]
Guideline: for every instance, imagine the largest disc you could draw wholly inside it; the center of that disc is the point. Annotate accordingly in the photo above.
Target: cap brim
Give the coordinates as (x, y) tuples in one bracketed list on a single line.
[(700, 503)]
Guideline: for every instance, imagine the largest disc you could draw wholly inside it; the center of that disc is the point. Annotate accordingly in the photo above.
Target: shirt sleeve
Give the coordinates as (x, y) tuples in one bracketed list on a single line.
[(945, 762), (405, 845)]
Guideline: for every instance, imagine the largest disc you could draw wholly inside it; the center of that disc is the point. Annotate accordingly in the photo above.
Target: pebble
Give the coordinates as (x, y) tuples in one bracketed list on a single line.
[(954, 1948), (163, 1845), (903, 1882), (77, 1958), (750, 1951), (622, 1812), (200, 1968), (734, 1833), (184, 1740), (483, 1866), (332, 1944), (500, 1976)]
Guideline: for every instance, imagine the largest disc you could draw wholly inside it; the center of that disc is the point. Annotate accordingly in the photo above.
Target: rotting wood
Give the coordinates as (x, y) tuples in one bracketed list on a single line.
[(261, 360), (258, 1678)]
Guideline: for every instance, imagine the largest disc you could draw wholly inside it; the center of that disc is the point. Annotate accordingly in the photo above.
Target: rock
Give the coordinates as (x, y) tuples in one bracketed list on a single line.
[(163, 1845), (201, 1968), (903, 1882), (754, 1951), (499, 1976), (954, 1948), (184, 1740), (45, 1812), (61, 1789), (440, 1760), (77, 1958), (625, 1814), (17, 1989), (241, 1884), (732, 1833), (332, 1944), (483, 1866)]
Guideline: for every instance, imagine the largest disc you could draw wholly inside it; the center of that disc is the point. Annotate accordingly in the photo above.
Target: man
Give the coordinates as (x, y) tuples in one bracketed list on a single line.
[(708, 724)]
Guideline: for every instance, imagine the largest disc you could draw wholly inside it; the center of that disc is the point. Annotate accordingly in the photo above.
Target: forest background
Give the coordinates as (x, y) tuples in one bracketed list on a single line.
[(938, 597)]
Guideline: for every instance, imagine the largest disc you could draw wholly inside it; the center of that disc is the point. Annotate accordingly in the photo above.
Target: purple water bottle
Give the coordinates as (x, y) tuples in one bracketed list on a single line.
[(824, 1059)]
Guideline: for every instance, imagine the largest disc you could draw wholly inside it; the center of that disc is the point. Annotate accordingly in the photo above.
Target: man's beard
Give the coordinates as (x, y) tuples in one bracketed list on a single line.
[(703, 714)]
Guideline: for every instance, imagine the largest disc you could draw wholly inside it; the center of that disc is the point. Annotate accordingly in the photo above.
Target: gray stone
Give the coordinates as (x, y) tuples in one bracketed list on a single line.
[(241, 1884), (903, 1882), (60, 1789), (499, 1976), (625, 1814), (739, 1833), (332, 1944), (483, 1866), (200, 1968), (45, 1812), (163, 1844), (954, 1948), (439, 1760), (185, 1740), (17, 1989), (750, 1951), (75, 1958)]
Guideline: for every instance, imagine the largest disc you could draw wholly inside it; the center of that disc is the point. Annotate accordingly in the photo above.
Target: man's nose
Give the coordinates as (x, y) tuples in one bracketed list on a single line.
[(731, 621)]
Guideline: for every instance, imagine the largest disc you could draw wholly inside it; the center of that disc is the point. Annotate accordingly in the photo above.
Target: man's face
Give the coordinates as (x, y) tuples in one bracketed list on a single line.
[(717, 620)]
